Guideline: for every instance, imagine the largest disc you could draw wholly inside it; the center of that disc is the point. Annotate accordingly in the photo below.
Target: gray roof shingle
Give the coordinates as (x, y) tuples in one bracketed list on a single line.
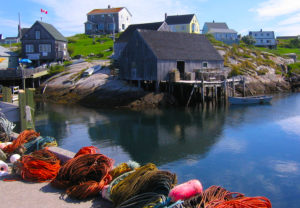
[(179, 19), (126, 35), (53, 31), (180, 46), (217, 30), (217, 25)]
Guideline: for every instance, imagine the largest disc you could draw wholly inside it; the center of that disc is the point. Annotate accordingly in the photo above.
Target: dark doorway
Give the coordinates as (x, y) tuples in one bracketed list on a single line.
[(180, 67)]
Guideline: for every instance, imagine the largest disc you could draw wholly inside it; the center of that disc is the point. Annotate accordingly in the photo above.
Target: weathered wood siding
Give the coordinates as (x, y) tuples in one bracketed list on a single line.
[(165, 66), (57, 47), (137, 62)]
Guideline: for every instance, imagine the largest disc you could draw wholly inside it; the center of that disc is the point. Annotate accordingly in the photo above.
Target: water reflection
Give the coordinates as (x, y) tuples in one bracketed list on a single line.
[(248, 149)]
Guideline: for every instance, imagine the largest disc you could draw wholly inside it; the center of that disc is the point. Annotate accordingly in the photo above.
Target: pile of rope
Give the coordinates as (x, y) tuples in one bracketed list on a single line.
[(18, 145), (218, 197), (6, 128), (40, 166), (146, 179), (39, 143), (87, 150), (84, 176), (123, 168)]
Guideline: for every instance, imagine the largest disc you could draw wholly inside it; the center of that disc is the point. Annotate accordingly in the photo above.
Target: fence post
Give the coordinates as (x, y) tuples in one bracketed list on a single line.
[(7, 95), (26, 106)]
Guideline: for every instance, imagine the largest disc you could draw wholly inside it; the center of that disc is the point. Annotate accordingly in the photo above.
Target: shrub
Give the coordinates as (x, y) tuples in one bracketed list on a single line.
[(249, 40), (294, 68), (70, 50), (235, 71), (56, 69), (247, 65), (262, 71)]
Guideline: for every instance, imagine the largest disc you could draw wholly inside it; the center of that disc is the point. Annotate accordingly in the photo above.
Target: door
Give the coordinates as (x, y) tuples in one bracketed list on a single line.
[(180, 67)]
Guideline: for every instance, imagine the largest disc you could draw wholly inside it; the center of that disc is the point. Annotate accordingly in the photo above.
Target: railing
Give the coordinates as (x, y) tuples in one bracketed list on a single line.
[(20, 73)]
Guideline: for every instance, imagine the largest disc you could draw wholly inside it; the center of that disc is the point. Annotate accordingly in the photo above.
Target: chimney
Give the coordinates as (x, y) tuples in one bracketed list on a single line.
[(0, 36), (213, 21), (166, 15), (260, 30), (108, 6)]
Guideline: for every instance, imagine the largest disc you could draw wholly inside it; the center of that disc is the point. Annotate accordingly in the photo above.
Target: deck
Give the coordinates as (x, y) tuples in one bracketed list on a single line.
[(13, 74)]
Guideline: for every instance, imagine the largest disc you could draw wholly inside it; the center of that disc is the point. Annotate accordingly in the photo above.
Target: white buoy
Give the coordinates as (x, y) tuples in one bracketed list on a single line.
[(3, 168), (14, 158), (4, 144)]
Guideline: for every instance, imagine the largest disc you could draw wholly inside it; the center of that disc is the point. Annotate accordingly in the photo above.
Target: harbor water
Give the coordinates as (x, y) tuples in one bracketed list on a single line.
[(252, 149)]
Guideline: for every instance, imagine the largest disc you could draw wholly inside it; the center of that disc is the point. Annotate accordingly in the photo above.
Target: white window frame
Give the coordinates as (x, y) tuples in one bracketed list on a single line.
[(29, 48), (45, 48), (37, 35)]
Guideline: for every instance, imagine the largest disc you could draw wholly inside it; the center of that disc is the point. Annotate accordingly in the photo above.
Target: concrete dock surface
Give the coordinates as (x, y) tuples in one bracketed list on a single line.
[(20, 194)]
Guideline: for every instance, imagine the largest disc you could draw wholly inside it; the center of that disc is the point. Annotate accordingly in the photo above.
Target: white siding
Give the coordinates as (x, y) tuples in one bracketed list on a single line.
[(124, 19)]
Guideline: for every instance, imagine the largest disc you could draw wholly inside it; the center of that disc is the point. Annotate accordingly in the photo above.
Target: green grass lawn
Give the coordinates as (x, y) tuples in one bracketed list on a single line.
[(82, 44), (281, 51)]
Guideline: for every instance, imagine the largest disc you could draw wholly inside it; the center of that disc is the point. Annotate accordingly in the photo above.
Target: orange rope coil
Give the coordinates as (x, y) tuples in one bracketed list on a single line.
[(85, 175), (40, 166), (23, 138)]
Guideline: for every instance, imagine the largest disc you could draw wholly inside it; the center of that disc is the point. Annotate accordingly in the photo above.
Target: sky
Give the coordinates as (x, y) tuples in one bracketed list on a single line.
[(68, 16)]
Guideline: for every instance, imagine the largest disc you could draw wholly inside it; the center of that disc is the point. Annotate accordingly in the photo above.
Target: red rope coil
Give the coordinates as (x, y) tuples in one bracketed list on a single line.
[(85, 175)]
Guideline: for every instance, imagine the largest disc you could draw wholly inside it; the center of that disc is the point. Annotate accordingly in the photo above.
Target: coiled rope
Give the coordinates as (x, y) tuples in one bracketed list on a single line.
[(87, 150), (84, 176), (6, 127), (24, 137), (40, 166), (145, 179)]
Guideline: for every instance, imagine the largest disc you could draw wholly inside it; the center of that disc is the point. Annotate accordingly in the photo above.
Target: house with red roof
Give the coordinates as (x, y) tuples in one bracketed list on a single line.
[(107, 21)]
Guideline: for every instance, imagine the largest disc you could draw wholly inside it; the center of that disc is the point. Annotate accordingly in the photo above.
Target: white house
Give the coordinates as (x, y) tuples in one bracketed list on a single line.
[(221, 32), (105, 21), (264, 38)]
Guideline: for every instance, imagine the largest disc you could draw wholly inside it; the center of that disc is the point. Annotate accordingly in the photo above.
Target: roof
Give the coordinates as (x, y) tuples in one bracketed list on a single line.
[(24, 30), (6, 52), (106, 11), (179, 19), (261, 31), (217, 25), (216, 30), (53, 31), (126, 35), (180, 46)]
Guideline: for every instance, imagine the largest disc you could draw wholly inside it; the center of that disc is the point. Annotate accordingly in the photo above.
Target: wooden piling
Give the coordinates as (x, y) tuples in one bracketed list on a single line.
[(7, 95), (26, 106)]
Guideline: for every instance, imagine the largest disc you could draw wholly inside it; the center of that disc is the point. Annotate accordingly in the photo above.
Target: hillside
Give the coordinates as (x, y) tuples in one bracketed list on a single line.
[(86, 46), (265, 72)]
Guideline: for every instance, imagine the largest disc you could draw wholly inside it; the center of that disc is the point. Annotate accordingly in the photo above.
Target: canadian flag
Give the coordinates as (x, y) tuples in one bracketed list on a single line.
[(45, 11)]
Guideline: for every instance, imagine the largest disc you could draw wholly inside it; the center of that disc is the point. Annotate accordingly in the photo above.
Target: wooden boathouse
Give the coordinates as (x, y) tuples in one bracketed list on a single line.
[(152, 55), (185, 65)]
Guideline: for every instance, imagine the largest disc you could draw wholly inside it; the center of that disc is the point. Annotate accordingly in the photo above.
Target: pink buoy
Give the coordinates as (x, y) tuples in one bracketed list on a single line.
[(186, 190)]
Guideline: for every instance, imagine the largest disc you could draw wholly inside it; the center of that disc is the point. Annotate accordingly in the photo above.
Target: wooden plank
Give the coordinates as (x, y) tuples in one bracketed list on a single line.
[(22, 104), (39, 74), (30, 102), (7, 95)]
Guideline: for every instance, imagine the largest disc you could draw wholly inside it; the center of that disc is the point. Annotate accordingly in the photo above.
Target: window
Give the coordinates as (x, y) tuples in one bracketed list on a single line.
[(268, 34), (102, 16), (45, 48), (88, 26), (29, 48), (183, 27), (204, 64), (268, 41), (101, 26), (92, 17), (123, 26), (37, 35), (110, 26)]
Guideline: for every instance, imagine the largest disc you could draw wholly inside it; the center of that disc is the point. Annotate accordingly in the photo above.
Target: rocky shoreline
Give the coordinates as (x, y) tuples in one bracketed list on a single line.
[(104, 90)]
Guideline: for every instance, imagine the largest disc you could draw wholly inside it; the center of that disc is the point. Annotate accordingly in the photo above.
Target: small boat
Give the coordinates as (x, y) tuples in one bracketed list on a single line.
[(250, 100)]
